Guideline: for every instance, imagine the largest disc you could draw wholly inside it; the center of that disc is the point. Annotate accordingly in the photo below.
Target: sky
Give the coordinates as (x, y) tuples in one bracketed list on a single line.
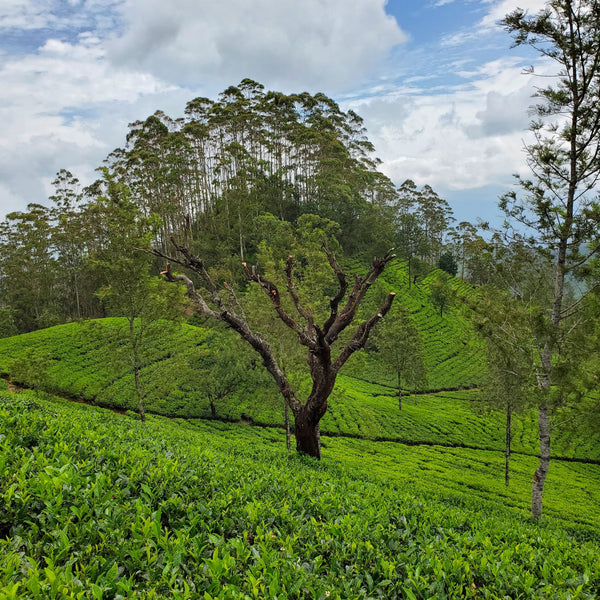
[(441, 91)]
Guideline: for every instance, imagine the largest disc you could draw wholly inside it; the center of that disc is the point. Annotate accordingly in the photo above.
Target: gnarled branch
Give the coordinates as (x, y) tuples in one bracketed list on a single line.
[(359, 289), (273, 294), (343, 287), (361, 335), (229, 317)]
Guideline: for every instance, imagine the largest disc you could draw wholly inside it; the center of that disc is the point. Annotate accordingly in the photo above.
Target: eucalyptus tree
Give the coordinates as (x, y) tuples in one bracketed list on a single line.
[(223, 367), (153, 166), (447, 263), (558, 203), (410, 240), (435, 216), (71, 243), (28, 269), (470, 250)]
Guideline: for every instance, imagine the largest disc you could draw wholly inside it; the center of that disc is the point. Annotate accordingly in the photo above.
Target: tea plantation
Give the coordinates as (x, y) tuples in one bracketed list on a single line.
[(95, 504), (363, 404), (405, 504)]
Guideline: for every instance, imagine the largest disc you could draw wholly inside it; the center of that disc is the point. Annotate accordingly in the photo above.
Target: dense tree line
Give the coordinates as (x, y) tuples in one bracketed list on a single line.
[(208, 178)]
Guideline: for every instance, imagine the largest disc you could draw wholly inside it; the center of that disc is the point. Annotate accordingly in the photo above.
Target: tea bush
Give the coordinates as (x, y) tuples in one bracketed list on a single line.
[(97, 505)]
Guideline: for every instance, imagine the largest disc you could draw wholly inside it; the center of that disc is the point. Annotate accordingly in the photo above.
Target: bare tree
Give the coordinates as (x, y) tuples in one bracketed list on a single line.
[(317, 339)]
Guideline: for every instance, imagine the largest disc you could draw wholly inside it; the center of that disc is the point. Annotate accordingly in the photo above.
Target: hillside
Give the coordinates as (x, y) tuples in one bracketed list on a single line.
[(96, 504), (452, 354), (406, 504), (79, 367), (363, 404)]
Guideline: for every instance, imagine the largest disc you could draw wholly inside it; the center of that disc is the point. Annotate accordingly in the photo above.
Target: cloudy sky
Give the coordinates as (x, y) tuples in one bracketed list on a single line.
[(436, 81)]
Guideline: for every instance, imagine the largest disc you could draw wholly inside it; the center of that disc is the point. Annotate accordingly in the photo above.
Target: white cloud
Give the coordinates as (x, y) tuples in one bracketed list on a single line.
[(28, 15), (491, 20), (24, 14), (466, 137), (500, 9), (59, 108), (324, 44), (63, 74)]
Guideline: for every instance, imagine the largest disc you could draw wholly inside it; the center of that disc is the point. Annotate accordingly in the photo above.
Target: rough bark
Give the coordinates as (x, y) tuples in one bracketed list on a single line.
[(542, 471), (306, 431)]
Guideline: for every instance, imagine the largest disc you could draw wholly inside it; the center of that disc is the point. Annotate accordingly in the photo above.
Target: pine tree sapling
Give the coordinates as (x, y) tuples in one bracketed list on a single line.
[(559, 201)]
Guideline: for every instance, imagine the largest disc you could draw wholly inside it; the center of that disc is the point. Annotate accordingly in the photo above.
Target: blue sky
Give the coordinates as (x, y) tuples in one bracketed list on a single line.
[(436, 81)]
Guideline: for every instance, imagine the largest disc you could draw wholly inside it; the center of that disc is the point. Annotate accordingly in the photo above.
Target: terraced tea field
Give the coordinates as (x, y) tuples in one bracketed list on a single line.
[(405, 504), (96, 504)]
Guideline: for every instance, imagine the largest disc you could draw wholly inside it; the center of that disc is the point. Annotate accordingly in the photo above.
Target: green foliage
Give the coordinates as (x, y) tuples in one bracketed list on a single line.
[(557, 204), (399, 345), (29, 269), (8, 326), (442, 294), (447, 263), (505, 326), (94, 503), (31, 369)]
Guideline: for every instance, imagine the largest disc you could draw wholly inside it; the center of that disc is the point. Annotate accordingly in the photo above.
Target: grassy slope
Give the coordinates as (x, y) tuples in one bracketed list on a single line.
[(95, 505), (452, 355), (79, 366)]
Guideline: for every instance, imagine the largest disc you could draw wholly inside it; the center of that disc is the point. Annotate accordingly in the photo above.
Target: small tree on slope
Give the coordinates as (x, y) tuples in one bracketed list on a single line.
[(317, 339), (400, 347)]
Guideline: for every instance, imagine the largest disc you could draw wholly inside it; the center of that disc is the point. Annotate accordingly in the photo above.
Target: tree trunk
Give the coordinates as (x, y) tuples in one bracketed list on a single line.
[(307, 433), (399, 392), (138, 391), (213, 409), (286, 406), (288, 435), (542, 471), (508, 443)]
